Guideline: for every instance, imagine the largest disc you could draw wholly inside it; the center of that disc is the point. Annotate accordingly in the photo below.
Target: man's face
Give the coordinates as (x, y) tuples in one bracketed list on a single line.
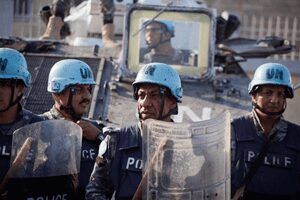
[(149, 102), (271, 98), (153, 34), (5, 92), (81, 98)]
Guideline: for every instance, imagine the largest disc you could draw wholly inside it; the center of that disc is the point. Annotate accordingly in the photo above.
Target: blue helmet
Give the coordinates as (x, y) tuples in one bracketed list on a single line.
[(69, 72), (159, 74), (272, 74), (13, 66), (169, 26)]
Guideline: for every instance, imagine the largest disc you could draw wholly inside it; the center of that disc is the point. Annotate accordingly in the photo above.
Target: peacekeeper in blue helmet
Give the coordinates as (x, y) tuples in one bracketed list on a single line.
[(158, 35), (14, 78), (157, 89), (276, 173), (70, 82)]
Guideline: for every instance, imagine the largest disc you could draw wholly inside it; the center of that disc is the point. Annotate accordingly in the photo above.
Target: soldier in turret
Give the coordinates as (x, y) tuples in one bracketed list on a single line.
[(158, 35)]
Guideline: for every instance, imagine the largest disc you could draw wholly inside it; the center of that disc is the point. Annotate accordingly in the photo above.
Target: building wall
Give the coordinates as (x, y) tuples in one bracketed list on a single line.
[(261, 7), (282, 17), (29, 24), (6, 18), (260, 18)]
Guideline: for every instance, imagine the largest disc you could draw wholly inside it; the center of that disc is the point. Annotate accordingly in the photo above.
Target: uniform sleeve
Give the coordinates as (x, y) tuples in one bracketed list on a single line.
[(99, 186)]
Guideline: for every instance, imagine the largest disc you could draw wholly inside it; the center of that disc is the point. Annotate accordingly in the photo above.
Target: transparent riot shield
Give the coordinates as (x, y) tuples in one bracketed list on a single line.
[(187, 160), (47, 148)]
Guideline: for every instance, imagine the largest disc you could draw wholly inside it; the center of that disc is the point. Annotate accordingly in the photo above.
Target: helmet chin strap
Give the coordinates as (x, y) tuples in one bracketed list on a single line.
[(269, 113), (12, 102), (69, 108), (162, 105), (172, 111)]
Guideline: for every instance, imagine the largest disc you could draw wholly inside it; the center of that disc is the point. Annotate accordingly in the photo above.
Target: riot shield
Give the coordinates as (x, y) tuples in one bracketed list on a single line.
[(47, 148), (186, 160)]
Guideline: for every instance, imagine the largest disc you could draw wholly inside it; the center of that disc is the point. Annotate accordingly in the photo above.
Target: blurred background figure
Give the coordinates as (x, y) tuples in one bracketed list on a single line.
[(53, 16)]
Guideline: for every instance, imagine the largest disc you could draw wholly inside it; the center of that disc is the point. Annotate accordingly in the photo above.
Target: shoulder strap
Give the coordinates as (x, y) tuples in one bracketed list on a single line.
[(253, 169), (258, 161)]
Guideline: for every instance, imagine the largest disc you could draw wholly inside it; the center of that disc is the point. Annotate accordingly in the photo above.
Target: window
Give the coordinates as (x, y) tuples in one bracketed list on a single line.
[(22, 10), (188, 33)]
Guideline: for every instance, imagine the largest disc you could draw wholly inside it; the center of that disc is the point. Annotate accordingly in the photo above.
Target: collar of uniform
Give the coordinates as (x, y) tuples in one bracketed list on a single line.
[(280, 128), (129, 137), (55, 113), (21, 120), (20, 114), (243, 136)]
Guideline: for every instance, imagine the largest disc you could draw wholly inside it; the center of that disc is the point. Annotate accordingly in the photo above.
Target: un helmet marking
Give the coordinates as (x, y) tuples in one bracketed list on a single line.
[(69, 72), (165, 76), (85, 73), (150, 70), (275, 73), (3, 63)]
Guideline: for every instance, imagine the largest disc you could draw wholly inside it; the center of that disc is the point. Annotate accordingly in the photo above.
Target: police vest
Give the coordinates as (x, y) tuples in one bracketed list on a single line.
[(279, 172), (44, 188), (89, 150), (5, 151), (126, 169), (25, 117)]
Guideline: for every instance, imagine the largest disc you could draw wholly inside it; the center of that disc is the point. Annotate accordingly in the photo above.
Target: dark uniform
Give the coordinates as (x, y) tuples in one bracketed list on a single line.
[(89, 152), (120, 168), (177, 58), (29, 188), (278, 176), (6, 130)]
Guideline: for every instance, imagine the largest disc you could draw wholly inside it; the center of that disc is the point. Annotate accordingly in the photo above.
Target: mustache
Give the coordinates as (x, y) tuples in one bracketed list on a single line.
[(85, 101), (145, 112)]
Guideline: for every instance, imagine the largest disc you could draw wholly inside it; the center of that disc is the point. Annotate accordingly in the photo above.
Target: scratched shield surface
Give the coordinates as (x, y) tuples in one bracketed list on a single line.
[(187, 160), (47, 148)]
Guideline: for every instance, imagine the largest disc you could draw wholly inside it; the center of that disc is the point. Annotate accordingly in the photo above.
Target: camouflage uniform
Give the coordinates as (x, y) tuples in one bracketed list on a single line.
[(177, 58)]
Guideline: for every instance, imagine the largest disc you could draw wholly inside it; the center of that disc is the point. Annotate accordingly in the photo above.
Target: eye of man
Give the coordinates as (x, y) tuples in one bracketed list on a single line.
[(152, 94), (155, 30), (5, 83), (80, 89), (270, 93)]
